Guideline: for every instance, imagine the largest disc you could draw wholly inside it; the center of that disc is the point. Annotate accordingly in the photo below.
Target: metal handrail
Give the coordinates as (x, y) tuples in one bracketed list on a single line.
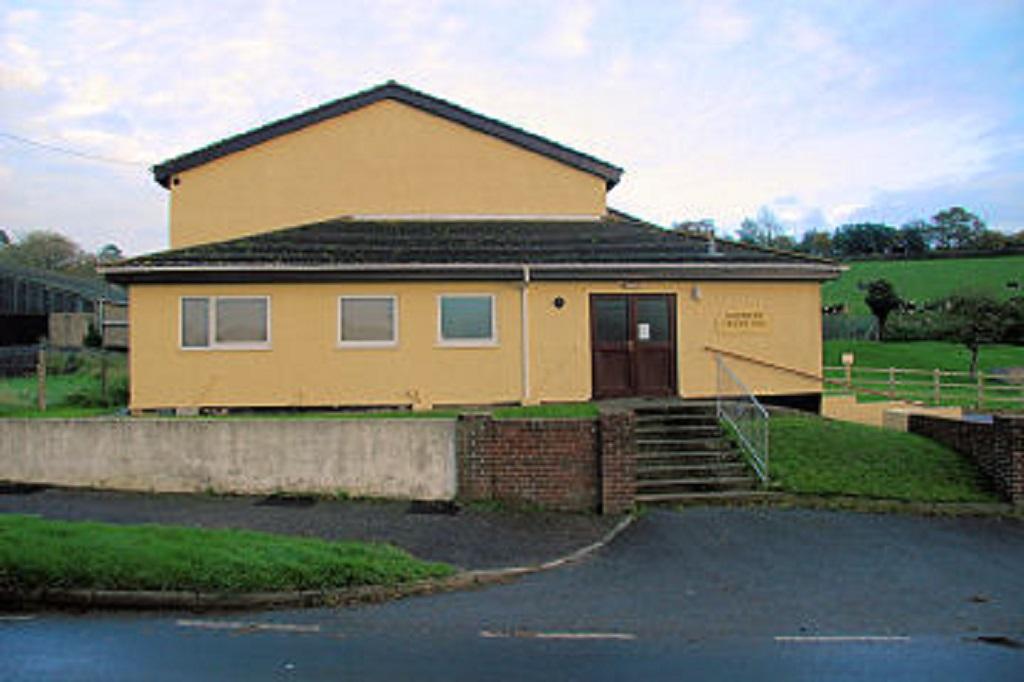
[(746, 417)]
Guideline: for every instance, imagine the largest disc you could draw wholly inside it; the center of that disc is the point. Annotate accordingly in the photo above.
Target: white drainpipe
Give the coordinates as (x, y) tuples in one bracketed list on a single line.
[(524, 322)]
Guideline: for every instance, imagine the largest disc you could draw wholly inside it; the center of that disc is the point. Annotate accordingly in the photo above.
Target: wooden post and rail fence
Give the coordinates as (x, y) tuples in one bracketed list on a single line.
[(984, 390), (37, 362)]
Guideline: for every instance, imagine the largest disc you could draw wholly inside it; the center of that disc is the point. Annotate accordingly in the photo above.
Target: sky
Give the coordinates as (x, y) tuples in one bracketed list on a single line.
[(826, 113)]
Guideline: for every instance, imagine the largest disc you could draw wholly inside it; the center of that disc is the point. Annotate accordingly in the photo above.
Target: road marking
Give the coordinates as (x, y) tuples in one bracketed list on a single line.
[(818, 639), (238, 625), (529, 634), (16, 618)]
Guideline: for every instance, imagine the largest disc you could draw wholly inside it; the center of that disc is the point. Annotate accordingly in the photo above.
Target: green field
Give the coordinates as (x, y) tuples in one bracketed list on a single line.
[(924, 280), (921, 355)]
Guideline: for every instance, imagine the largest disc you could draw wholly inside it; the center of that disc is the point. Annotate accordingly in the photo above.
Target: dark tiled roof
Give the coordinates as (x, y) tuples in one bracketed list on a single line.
[(162, 172), (614, 240)]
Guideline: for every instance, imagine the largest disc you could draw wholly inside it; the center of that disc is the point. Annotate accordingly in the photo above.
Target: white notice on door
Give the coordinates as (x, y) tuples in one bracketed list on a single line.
[(643, 332)]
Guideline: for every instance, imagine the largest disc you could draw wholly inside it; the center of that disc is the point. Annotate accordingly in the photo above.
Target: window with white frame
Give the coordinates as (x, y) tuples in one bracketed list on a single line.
[(466, 319), (225, 322), (367, 321)]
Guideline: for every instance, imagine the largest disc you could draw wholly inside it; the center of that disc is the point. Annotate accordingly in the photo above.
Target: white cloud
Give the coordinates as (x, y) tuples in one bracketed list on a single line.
[(842, 213), (722, 24), (821, 54), (95, 94), (20, 66), (568, 34)]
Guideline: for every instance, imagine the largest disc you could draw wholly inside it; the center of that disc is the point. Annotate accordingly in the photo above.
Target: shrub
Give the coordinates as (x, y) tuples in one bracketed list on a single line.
[(92, 394), (926, 325), (92, 338)]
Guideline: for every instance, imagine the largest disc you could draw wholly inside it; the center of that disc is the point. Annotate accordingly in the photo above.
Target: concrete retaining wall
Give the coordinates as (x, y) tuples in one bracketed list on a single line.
[(377, 458)]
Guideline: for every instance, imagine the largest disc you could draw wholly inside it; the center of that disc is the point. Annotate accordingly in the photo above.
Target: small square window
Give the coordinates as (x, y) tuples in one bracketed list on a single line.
[(466, 319), (367, 321)]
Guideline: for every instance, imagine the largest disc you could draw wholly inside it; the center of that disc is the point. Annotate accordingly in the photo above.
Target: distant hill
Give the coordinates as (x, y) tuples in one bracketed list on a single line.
[(924, 280)]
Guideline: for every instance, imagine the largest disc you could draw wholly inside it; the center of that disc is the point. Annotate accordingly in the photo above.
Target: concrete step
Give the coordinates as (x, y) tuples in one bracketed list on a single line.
[(710, 497), (722, 468), (692, 456), (675, 411), (699, 482), (674, 416), (681, 417), (682, 444), (678, 431)]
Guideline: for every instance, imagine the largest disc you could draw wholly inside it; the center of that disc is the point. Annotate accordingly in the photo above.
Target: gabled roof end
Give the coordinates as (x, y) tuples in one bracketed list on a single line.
[(392, 90)]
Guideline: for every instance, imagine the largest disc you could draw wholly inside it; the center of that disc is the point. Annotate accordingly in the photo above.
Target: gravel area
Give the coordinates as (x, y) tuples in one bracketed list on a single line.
[(470, 537)]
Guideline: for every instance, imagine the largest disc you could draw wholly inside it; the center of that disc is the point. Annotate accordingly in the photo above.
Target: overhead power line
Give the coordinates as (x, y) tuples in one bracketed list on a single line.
[(71, 152)]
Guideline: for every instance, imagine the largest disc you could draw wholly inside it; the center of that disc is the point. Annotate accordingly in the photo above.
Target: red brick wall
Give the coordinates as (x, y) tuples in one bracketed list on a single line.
[(553, 463), (618, 462), (997, 448)]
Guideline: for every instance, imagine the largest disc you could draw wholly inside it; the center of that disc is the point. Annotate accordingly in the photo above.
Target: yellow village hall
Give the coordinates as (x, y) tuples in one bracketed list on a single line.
[(394, 249)]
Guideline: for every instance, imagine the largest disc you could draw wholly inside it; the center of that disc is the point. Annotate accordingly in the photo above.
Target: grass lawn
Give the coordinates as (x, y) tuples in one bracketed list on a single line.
[(37, 553), (340, 414), (61, 412), (552, 411), (925, 280), (75, 393), (811, 455), (921, 355)]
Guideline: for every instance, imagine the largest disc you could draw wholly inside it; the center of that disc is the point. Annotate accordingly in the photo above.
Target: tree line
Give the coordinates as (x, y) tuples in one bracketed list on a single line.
[(970, 318), (49, 250), (952, 230)]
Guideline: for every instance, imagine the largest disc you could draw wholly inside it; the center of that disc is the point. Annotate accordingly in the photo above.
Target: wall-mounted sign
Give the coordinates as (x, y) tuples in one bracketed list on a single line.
[(743, 322), (643, 331)]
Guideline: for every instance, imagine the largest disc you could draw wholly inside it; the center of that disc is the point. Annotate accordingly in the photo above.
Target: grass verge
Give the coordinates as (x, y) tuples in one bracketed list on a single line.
[(37, 553), (298, 415), (823, 457), (60, 412), (552, 411)]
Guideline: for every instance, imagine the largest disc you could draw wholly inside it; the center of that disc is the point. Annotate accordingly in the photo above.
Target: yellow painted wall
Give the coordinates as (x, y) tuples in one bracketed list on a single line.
[(560, 339), (304, 366), (387, 158)]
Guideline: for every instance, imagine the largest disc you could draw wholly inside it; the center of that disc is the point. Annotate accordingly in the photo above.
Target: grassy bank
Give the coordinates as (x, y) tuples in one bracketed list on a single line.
[(37, 553), (823, 457)]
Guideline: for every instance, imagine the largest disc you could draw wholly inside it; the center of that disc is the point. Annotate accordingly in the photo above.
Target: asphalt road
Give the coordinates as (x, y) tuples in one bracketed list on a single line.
[(704, 594)]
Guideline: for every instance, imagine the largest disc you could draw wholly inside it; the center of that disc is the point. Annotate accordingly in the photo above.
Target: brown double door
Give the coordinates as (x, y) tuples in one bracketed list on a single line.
[(633, 342)]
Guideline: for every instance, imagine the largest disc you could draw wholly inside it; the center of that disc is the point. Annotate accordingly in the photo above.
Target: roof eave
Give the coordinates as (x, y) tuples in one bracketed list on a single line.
[(140, 274)]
